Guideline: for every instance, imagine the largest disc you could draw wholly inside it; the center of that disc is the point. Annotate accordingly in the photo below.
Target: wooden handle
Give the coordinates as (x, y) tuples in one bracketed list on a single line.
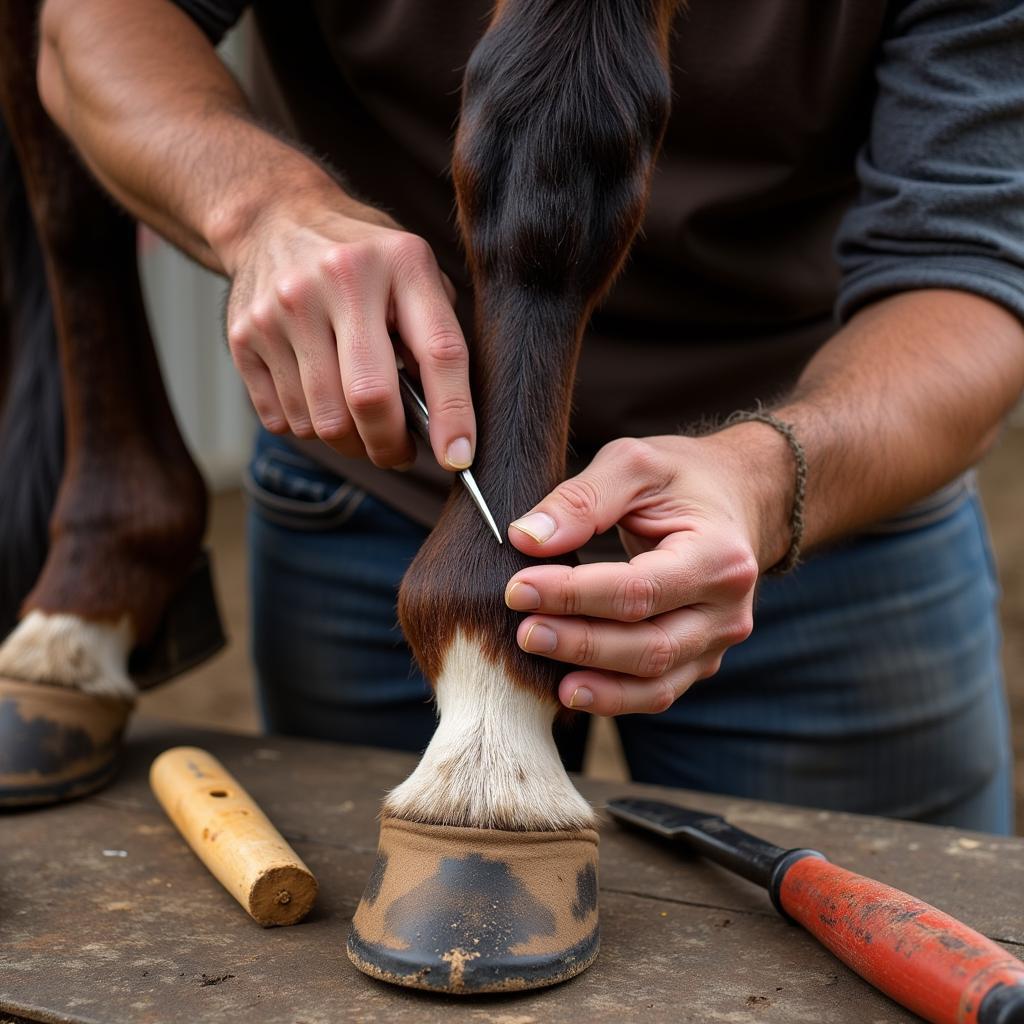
[(921, 957), (232, 836)]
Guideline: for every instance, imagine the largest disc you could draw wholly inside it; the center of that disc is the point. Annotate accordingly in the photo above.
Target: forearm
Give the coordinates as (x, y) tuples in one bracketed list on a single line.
[(163, 125), (904, 398)]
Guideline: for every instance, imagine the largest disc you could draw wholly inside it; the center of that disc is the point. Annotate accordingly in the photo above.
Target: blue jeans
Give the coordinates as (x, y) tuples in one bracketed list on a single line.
[(871, 683)]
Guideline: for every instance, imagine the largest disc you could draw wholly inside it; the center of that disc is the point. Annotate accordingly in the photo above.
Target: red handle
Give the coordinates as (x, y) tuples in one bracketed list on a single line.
[(921, 957)]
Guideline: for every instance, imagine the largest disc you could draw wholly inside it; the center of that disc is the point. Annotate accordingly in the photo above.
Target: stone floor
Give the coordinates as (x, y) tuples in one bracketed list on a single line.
[(218, 694)]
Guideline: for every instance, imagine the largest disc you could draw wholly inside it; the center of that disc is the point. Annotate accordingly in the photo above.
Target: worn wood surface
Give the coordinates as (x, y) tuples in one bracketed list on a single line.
[(107, 916)]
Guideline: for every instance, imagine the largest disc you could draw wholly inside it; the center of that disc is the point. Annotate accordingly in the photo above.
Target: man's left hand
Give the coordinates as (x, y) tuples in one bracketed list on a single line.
[(701, 517)]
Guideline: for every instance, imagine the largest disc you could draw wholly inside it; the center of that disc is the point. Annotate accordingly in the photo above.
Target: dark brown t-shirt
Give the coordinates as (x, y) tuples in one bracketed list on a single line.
[(794, 122)]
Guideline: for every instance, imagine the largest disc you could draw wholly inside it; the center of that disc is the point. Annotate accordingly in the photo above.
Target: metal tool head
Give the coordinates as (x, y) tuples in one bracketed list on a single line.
[(478, 499), (419, 420), (705, 833), (666, 820)]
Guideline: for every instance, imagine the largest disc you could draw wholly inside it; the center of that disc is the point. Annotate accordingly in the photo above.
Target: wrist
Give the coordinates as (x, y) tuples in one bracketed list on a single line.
[(300, 195), (761, 465)]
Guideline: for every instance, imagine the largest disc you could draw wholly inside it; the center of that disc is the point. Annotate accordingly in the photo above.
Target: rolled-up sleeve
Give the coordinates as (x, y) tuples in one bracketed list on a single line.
[(941, 201)]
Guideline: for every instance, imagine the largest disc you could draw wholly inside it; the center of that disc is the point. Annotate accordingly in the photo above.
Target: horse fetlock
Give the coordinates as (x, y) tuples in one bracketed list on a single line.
[(66, 650), (492, 762)]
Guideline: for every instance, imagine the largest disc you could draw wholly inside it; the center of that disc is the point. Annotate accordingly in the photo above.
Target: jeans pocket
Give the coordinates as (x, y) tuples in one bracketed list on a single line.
[(292, 491)]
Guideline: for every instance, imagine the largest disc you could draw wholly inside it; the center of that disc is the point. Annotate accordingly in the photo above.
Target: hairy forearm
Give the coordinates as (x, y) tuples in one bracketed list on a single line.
[(163, 125), (904, 398)]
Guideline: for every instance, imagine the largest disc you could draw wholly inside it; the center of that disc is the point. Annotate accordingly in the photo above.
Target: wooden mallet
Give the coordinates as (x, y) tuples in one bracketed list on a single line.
[(231, 835)]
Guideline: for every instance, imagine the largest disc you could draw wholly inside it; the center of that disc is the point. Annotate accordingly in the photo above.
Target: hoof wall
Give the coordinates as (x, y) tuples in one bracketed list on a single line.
[(56, 743), (467, 910)]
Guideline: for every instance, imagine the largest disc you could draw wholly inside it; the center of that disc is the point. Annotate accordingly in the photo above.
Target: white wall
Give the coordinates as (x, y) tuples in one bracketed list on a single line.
[(185, 305), (214, 414)]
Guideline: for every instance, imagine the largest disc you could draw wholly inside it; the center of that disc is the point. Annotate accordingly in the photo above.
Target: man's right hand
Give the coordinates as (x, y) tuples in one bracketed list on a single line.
[(315, 296), (319, 280)]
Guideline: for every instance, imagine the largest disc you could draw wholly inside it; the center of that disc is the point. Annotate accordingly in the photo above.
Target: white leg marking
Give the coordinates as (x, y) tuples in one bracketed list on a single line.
[(68, 651), (492, 762)]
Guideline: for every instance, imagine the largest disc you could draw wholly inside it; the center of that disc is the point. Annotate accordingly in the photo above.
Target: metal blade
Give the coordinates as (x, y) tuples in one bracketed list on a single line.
[(707, 834), (419, 419), (656, 816), (478, 499)]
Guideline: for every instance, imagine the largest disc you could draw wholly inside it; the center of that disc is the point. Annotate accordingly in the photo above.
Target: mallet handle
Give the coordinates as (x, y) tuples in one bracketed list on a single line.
[(925, 959), (231, 835)]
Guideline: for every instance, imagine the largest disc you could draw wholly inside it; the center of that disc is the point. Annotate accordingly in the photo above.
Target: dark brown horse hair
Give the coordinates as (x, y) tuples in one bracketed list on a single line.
[(131, 508), (564, 107), (31, 416)]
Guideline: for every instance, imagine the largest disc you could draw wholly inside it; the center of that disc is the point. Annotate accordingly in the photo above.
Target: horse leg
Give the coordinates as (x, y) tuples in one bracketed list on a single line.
[(487, 870), (31, 415), (131, 507)]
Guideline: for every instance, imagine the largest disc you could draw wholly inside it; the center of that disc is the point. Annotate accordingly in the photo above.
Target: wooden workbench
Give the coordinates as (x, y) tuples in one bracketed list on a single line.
[(106, 916)]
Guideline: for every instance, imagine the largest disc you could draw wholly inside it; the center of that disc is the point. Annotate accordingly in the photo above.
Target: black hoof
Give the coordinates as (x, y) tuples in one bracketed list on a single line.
[(190, 631)]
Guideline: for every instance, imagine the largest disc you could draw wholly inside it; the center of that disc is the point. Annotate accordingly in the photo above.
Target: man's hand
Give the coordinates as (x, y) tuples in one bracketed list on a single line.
[(700, 517), (319, 280), (315, 294)]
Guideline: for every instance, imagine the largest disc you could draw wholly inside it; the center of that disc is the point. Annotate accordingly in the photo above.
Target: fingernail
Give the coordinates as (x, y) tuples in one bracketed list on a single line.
[(521, 597), (459, 454), (581, 698), (404, 467), (538, 525), (540, 639)]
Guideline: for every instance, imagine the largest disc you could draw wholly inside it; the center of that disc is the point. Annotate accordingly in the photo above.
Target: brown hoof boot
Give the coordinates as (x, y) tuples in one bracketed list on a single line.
[(56, 743), (467, 910)]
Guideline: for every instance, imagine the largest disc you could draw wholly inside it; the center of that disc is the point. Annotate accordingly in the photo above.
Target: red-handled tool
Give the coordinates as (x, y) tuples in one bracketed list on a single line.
[(924, 959)]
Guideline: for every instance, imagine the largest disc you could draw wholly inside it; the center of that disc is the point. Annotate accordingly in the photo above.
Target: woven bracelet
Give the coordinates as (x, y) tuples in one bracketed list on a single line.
[(791, 559)]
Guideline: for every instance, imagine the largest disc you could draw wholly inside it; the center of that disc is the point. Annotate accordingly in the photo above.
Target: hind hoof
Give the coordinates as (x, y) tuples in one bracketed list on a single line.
[(56, 743), (468, 910), (190, 632)]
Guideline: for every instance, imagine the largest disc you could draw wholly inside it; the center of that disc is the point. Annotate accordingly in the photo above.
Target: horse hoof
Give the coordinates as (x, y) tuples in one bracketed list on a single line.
[(190, 632), (468, 910), (56, 743)]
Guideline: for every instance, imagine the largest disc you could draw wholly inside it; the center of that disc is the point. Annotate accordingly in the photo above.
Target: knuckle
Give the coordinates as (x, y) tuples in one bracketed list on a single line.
[(634, 451), (240, 337), (584, 646), (293, 293), (740, 572), (578, 497), (617, 699), (664, 698), (272, 422), (739, 628), (369, 395), (446, 348), (387, 457), (452, 406), (262, 318), (332, 426), (711, 668), (342, 263), (303, 428), (411, 253), (659, 655), (637, 598), (568, 594)]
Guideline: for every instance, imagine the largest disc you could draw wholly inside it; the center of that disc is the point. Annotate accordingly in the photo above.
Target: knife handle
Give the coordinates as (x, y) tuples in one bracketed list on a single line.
[(924, 959)]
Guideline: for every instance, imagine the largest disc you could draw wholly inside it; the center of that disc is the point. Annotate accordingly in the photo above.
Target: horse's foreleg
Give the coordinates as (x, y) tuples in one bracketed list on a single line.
[(487, 877), (131, 507)]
